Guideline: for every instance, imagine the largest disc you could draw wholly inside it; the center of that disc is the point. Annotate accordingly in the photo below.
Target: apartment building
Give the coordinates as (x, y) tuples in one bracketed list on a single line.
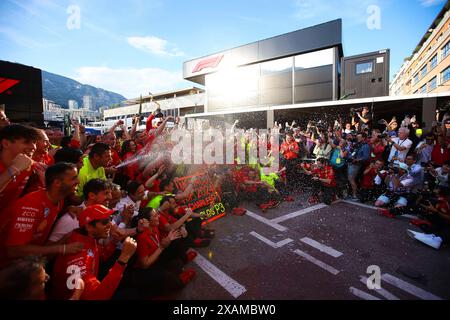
[(427, 70)]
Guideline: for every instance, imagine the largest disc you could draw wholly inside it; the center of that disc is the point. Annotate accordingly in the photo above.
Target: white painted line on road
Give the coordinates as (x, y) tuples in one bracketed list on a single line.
[(321, 247), (298, 213), (405, 286), (233, 287), (362, 294), (382, 292), (317, 262), (284, 242), (266, 221), (360, 204), (277, 245)]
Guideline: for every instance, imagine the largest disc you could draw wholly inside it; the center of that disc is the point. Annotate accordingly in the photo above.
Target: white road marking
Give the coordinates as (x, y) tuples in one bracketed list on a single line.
[(362, 294), (383, 292), (298, 213), (405, 286), (277, 245), (317, 262), (265, 221), (232, 286), (321, 247), (360, 204)]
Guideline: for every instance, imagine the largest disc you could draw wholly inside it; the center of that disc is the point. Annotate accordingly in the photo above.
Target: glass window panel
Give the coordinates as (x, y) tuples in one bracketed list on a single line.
[(314, 59), (364, 67)]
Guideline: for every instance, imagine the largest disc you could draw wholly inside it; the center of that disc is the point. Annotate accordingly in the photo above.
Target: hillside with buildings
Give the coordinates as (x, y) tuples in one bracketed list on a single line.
[(62, 89)]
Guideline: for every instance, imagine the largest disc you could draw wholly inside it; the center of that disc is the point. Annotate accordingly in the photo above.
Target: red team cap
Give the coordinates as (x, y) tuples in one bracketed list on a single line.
[(94, 213)]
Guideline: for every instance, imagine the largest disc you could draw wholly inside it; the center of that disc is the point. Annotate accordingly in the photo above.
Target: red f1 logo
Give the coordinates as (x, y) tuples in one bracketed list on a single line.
[(5, 84), (208, 63)]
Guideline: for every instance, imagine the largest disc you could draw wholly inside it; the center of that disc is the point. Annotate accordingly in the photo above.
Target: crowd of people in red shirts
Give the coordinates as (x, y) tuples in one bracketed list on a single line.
[(100, 217)]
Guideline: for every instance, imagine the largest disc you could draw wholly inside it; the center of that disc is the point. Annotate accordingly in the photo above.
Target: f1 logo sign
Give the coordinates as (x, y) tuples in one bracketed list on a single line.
[(6, 84), (207, 63)]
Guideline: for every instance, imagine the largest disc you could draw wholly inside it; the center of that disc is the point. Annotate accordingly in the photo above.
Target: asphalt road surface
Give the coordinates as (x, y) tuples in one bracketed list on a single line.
[(298, 251)]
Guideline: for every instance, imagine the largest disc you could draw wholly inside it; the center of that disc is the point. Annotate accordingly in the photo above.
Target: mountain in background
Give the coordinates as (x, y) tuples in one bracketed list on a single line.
[(61, 89)]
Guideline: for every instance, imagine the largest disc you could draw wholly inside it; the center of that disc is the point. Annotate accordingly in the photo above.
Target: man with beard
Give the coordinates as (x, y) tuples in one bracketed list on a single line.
[(95, 224), (33, 215)]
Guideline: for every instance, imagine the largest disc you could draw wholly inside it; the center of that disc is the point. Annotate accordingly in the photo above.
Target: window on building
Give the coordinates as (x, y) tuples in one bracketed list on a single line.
[(432, 84), (433, 62), (423, 72), (445, 75), (445, 50), (423, 89), (364, 67), (416, 78)]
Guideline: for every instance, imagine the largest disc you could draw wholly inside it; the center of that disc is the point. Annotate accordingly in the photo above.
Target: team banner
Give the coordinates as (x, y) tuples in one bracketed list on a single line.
[(205, 199)]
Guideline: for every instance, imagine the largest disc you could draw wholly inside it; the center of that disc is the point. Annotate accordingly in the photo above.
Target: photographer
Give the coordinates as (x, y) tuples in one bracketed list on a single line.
[(424, 149), (377, 145), (439, 176), (399, 146), (369, 189), (438, 213), (360, 153), (322, 148), (391, 127), (338, 161), (364, 118), (398, 182)]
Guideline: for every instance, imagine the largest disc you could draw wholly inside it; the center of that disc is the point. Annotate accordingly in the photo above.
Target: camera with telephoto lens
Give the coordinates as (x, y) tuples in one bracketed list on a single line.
[(353, 111)]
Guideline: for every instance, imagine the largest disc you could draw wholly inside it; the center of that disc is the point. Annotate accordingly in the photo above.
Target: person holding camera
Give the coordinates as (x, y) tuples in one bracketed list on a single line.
[(377, 145), (424, 149), (439, 176), (398, 182), (359, 154), (370, 190), (338, 162), (364, 120), (399, 146), (438, 214)]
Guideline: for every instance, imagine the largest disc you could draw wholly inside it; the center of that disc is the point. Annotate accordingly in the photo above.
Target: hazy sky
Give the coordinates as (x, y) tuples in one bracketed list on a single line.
[(138, 46)]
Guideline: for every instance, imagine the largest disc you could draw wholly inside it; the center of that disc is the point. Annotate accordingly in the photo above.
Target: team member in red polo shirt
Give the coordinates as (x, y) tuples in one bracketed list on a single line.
[(110, 139), (33, 215), (324, 180), (95, 224), (152, 275), (290, 151), (43, 146), (18, 143), (42, 159)]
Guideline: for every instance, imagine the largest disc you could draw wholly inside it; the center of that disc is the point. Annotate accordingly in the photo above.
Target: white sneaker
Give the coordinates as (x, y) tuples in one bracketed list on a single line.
[(412, 234), (429, 239)]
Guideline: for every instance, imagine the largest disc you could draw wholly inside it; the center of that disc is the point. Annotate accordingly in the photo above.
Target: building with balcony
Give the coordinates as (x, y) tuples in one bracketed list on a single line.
[(427, 70)]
